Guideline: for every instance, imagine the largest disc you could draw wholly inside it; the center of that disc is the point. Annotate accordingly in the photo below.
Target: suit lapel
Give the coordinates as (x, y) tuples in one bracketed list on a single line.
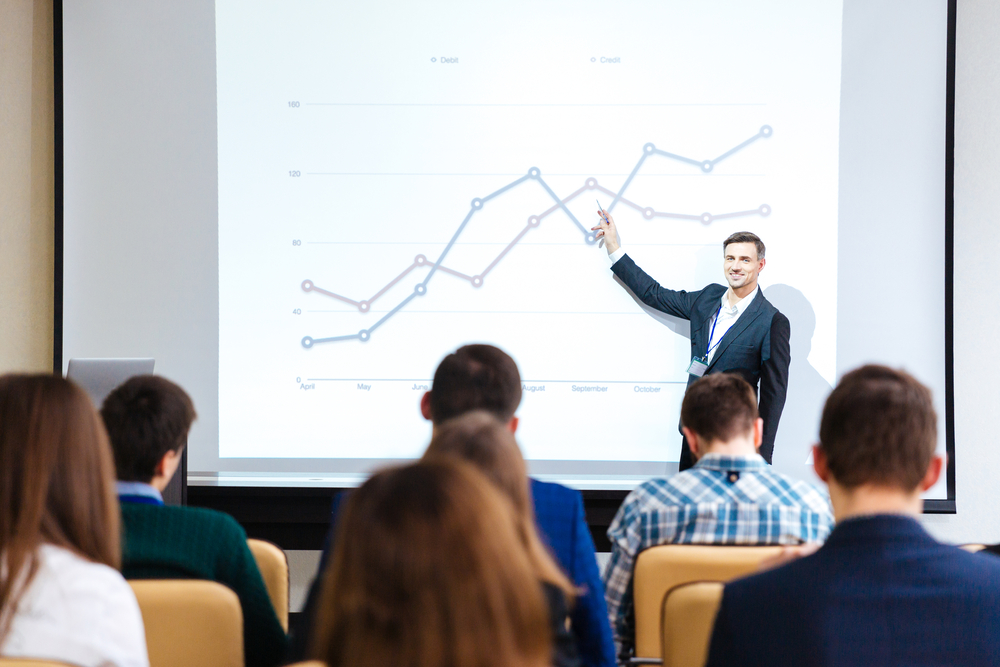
[(754, 310)]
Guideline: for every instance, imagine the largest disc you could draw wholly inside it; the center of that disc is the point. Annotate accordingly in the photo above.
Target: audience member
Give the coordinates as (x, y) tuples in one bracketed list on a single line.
[(148, 418), (428, 571), (480, 439), (880, 591), (483, 377), (730, 496), (61, 596)]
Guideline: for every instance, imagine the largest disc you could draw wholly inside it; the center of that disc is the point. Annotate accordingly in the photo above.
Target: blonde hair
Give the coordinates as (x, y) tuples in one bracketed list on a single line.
[(427, 572), (479, 438), (56, 481)]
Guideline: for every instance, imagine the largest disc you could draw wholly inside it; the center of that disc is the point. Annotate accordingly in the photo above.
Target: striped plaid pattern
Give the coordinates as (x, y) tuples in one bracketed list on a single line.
[(721, 500)]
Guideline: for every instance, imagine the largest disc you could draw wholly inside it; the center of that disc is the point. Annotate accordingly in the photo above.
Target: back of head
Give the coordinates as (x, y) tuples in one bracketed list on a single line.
[(146, 417), (427, 572), (719, 407), (475, 377), (56, 478), (879, 427), (479, 438)]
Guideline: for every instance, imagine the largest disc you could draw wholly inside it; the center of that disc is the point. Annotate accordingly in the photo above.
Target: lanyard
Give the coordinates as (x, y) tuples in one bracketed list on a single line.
[(712, 333)]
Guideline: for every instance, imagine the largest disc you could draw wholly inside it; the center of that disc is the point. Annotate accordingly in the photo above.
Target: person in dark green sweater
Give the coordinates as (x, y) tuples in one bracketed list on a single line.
[(148, 418)]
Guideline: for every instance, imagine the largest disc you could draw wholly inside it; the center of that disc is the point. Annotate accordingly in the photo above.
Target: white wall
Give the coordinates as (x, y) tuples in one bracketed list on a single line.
[(977, 236)]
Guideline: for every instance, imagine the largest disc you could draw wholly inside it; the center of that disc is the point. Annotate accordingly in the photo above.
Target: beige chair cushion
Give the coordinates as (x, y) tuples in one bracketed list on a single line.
[(660, 569), (688, 616), (190, 623), (273, 566)]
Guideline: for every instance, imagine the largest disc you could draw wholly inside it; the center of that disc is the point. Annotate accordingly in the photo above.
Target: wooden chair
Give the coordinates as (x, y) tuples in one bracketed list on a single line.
[(273, 566), (190, 623), (659, 569), (688, 617)]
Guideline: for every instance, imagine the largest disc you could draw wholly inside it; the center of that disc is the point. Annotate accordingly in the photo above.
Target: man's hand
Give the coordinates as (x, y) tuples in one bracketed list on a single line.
[(606, 229)]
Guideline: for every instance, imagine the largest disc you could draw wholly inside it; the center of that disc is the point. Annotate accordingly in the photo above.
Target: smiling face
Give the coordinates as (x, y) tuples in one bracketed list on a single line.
[(741, 265)]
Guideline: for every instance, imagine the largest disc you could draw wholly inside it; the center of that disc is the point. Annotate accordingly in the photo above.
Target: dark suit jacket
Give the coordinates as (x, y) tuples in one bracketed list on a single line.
[(755, 348), (880, 592), (562, 525)]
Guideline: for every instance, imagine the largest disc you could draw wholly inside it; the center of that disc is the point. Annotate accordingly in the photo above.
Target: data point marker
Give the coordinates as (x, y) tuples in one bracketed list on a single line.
[(764, 210), (648, 213), (706, 166), (534, 172), (591, 183), (533, 221), (477, 203), (307, 285), (364, 335), (363, 306), (766, 131), (307, 342), (649, 148), (420, 289), (419, 260), (477, 281), (706, 218)]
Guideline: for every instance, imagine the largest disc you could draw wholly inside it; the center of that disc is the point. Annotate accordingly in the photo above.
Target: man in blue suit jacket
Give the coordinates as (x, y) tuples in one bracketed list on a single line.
[(880, 591), (734, 329), (483, 377)]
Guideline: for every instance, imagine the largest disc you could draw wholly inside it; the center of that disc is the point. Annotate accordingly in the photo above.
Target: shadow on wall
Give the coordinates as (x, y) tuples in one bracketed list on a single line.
[(807, 389)]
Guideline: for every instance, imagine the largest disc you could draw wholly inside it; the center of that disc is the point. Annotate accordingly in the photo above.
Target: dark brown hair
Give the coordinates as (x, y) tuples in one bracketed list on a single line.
[(56, 481), (480, 439), (745, 237), (719, 407), (146, 417), (427, 572), (879, 427), (475, 377)]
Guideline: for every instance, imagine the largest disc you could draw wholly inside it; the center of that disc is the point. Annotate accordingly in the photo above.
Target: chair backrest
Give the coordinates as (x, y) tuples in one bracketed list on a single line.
[(972, 548), (659, 569), (190, 623), (273, 566), (28, 662), (688, 616)]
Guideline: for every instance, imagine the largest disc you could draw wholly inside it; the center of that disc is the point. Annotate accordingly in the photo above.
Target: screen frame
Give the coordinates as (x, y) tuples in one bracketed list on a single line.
[(931, 506)]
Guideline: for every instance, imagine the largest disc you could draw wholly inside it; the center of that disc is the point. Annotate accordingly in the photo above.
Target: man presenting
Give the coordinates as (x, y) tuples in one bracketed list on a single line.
[(733, 330)]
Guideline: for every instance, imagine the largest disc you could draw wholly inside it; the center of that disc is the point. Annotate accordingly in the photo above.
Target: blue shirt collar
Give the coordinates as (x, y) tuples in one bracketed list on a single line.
[(138, 490), (727, 462)]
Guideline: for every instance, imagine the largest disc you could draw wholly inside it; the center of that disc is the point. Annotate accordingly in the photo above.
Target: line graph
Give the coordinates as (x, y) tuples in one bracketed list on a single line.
[(421, 261)]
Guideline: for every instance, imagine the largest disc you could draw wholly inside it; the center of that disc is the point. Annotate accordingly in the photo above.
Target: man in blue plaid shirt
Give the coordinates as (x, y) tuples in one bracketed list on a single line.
[(730, 496)]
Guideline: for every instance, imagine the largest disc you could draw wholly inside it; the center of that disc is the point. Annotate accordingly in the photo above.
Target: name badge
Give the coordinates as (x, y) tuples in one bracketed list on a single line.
[(698, 367)]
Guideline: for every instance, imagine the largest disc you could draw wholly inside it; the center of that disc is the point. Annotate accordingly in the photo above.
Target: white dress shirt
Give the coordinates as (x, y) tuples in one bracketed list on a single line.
[(723, 320), (79, 612)]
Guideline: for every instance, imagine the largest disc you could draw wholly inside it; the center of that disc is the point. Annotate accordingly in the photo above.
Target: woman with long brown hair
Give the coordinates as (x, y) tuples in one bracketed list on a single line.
[(428, 572), (61, 596), (479, 438)]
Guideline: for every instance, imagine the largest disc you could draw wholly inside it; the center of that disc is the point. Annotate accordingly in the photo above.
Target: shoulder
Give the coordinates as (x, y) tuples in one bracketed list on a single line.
[(552, 492), (777, 318), (194, 523), (72, 572), (664, 492), (89, 606), (713, 291)]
